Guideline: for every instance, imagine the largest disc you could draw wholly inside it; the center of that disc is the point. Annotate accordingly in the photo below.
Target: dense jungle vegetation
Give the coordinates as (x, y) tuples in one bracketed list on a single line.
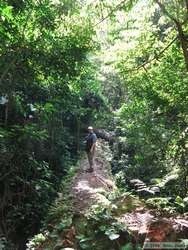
[(64, 64)]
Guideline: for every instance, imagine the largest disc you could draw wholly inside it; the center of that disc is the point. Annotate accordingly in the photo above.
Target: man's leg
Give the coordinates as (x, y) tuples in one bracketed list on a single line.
[(90, 159)]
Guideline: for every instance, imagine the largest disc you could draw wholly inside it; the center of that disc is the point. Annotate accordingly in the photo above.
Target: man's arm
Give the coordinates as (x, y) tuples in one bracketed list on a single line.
[(94, 140), (93, 147)]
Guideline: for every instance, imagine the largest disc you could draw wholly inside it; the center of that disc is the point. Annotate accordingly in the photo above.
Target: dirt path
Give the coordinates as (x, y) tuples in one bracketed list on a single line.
[(140, 224), (88, 188), (144, 225)]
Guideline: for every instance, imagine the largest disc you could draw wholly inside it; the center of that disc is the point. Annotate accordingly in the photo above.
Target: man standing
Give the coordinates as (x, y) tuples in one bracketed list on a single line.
[(90, 147)]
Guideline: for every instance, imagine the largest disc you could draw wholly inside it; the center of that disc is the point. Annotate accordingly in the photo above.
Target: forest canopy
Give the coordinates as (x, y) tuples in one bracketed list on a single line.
[(64, 64)]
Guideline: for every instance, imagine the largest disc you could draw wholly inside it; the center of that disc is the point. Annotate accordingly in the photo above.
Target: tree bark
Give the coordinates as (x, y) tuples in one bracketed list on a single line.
[(106, 135), (179, 27), (184, 43)]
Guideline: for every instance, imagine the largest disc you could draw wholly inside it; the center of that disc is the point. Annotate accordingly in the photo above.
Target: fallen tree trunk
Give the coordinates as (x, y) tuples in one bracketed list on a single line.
[(106, 135)]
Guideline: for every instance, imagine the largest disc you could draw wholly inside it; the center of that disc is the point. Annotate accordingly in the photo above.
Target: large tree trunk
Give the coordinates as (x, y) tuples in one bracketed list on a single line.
[(106, 135), (184, 43), (179, 27)]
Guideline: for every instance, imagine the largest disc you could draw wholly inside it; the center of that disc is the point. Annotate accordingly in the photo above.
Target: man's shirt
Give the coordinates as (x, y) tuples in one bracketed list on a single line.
[(90, 140)]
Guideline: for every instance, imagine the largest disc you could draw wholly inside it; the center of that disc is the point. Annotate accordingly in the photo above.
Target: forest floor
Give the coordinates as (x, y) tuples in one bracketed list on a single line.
[(88, 188), (94, 215)]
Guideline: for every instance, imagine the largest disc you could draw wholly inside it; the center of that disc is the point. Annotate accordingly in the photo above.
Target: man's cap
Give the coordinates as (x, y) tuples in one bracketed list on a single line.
[(90, 128)]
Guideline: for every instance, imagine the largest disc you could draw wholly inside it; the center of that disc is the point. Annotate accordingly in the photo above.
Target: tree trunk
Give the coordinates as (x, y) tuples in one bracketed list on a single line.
[(106, 135), (178, 24), (184, 43)]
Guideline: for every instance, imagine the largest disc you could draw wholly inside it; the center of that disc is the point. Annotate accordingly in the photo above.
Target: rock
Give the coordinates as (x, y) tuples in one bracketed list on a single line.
[(145, 192), (182, 222), (185, 200), (168, 184), (169, 180), (140, 185), (155, 189), (134, 181), (106, 135)]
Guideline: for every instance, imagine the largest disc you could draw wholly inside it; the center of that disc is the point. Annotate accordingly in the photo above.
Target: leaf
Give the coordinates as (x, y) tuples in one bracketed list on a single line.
[(179, 201), (113, 236), (7, 12)]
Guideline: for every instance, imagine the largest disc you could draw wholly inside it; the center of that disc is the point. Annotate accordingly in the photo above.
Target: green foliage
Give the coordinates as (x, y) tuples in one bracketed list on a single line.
[(101, 229), (160, 203), (151, 123), (65, 64), (168, 204), (45, 77), (37, 240)]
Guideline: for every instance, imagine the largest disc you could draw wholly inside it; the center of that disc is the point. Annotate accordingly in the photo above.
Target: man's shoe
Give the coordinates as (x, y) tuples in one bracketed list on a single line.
[(90, 170)]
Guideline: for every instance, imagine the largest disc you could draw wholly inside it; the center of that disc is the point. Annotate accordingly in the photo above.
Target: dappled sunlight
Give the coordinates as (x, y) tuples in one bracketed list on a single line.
[(90, 188), (83, 186), (119, 69)]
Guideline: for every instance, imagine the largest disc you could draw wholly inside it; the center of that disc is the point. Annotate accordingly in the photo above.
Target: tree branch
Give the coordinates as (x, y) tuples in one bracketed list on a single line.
[(165, 11), (156, 57), (179, 27), (111, 12)]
